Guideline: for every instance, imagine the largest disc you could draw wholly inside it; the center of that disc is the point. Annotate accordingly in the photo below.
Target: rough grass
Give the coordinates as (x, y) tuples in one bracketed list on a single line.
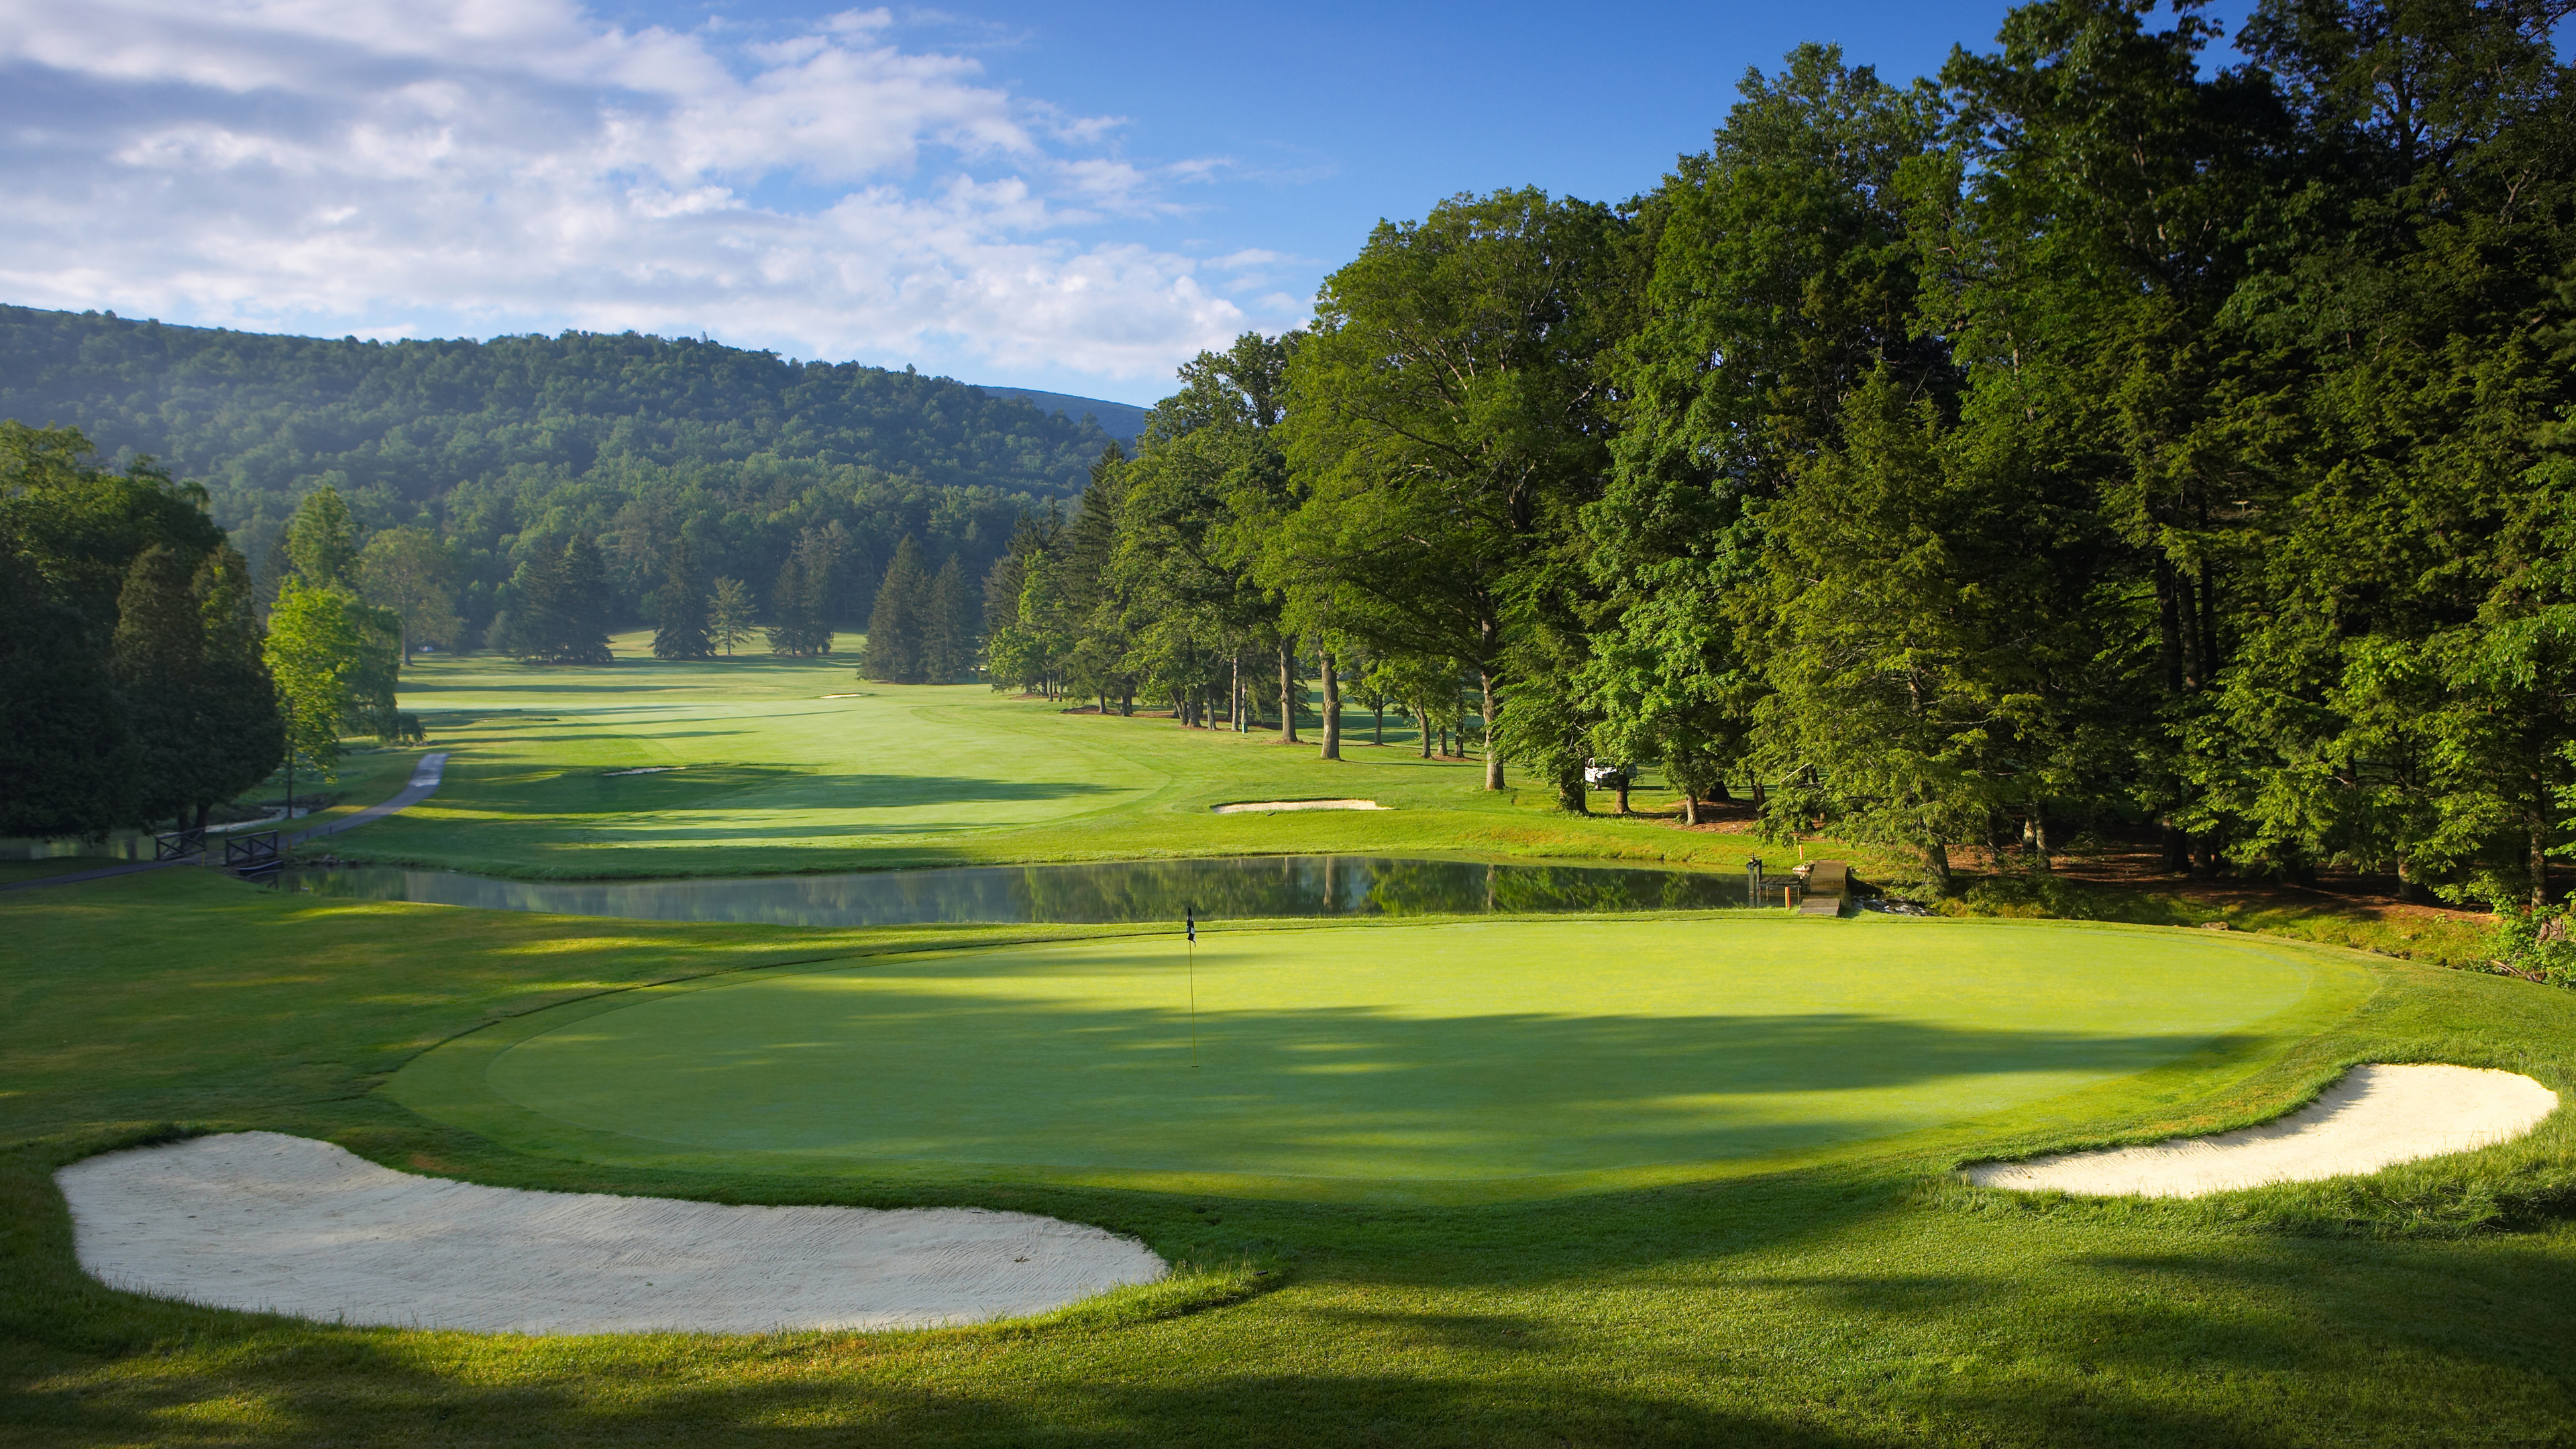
[(1866, 1301), (2440, 938)]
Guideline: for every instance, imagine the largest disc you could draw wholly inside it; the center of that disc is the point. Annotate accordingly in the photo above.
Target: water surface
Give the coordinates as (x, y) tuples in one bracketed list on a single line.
[(1148, 890)]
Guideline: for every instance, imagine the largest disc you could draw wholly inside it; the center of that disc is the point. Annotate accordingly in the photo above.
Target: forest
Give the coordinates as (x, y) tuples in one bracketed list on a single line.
[(509, 447), (2110, 437), (2117, 435)]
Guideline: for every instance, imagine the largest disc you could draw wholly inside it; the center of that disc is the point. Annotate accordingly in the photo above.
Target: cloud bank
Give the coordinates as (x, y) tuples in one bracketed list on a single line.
[(359, 165)]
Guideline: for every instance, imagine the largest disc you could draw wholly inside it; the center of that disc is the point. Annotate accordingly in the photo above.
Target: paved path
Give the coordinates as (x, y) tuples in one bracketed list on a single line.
[(424, 783)]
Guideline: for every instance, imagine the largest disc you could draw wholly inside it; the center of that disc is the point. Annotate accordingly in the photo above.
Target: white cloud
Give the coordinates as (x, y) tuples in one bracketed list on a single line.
[(358, 164)]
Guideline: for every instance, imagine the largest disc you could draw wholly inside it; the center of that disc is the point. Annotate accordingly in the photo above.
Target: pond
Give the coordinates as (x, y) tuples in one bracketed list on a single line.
[(1149, 890)]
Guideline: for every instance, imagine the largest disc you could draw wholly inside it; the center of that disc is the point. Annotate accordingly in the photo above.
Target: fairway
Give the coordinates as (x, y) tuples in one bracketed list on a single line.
[(1472, 1051), (758, 765)]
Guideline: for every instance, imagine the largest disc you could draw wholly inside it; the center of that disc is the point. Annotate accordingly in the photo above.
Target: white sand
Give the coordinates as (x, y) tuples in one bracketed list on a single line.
[(646, 770), (2375, 1117), (1248, 806), (267, 1222)]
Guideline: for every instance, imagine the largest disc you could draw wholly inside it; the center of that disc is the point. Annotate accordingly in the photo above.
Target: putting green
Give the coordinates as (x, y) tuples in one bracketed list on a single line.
[(1478, 1051)]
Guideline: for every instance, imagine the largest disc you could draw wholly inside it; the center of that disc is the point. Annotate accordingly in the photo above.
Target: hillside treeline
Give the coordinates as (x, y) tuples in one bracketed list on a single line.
[(508, 448), (2100, 438)]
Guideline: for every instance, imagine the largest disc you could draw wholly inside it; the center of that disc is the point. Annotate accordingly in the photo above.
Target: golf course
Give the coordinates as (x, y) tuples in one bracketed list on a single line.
[(762, 766), (1653, 1177)]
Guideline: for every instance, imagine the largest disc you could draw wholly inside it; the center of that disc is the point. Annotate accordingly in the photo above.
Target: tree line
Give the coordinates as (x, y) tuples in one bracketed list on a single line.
[(2095, 438), (139, 683)]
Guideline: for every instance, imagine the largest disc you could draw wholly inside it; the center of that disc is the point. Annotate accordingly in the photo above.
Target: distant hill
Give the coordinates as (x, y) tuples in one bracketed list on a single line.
[(631, 438), (250, 414), (1122, 421)]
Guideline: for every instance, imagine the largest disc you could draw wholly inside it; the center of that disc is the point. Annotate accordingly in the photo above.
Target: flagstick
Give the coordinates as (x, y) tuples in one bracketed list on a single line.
[(1194, 1006)]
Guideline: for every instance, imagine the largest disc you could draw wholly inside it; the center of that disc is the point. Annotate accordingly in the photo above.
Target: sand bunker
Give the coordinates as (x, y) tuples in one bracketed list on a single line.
[(1246, 807), (267, 1222), (645, 770), (2375, 1117)]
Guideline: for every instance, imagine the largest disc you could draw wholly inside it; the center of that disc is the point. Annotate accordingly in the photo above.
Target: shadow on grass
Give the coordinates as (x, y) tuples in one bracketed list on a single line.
[(882, 1065), (2238, 1343)]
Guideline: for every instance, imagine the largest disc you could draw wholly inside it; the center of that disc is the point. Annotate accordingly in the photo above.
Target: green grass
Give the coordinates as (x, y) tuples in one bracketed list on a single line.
[(773, 775), (1513, 1058), (1593, 1182), (1861, 1298)]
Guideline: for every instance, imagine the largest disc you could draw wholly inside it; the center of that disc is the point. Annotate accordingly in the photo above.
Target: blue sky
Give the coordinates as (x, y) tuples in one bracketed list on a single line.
[(1069, 196)]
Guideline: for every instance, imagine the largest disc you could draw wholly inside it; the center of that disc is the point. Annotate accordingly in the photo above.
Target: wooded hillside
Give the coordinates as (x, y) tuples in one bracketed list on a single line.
[(632, 438)]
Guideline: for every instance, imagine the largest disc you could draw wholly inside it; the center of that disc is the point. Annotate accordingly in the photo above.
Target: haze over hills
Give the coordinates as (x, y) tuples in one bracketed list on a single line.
[(631, 438)]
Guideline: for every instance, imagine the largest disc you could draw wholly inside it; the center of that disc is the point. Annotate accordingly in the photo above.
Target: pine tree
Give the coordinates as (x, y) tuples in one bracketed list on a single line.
[(584, 604), (789, 624), (559, 605), (242, 737), (731, 623), (818, 555), (801, 602), (682, 623), (534, 623), (948, 629), (896, 624)]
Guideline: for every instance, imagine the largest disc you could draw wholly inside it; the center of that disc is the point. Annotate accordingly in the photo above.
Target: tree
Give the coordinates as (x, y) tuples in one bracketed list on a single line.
[(67, 752), (71, 537), (1446, 419), (318, 652), (948, 628), (412, 572), (1783, 276), (241, 736), (186, 658), (323, 539), (732, 614), (1002, 585), (1197, 509), (559, 605), (800, 605), (1928, 631), (897, 625), (158, 659), (680, 630)]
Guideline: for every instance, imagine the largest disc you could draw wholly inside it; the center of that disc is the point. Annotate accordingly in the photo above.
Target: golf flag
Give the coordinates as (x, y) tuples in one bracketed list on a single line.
[(1191, 921)]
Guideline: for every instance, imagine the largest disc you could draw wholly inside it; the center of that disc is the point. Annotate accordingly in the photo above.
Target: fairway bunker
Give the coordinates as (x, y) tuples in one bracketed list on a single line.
[(1248, 807), (2374, 1117), (269, 1223)]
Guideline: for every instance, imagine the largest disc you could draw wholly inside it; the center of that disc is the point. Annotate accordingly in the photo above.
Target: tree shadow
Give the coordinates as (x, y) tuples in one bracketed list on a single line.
[(886, 1067)]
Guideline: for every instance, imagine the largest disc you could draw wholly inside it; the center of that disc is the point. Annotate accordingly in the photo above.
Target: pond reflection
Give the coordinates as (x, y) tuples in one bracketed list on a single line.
[(1144, 890)]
